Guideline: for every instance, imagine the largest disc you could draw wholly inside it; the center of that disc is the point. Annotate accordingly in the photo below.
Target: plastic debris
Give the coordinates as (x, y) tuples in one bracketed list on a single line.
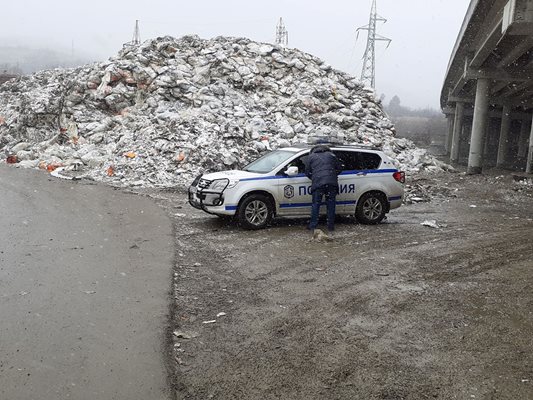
[(431, 223), (185, 335), (53, 166), (57, 173)]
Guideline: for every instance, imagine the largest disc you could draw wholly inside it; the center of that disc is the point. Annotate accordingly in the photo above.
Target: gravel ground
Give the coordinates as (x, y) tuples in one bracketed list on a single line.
[(394, 311)]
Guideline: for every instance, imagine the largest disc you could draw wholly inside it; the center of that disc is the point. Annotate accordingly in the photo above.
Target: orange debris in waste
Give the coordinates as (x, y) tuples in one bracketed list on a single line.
[(53, 166), (130, 154)]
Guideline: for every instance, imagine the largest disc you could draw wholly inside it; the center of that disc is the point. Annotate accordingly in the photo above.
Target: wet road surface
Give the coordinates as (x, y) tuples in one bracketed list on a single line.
[(84, 284)]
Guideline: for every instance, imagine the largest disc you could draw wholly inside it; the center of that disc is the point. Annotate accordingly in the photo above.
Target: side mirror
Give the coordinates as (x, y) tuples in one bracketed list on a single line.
[(292, 171)]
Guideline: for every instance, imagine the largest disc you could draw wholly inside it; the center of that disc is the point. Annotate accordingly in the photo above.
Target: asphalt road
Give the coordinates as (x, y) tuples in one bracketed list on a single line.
[(84, 285)]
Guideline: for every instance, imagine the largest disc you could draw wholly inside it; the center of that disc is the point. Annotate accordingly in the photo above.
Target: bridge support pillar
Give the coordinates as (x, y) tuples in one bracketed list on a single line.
[(457, 131), (503, 144), (449, 134), (522, 140), (529, 165), (479, 127)]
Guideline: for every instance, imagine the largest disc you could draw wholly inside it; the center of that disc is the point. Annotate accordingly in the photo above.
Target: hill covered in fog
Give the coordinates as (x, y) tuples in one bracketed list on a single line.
[(25, 59)]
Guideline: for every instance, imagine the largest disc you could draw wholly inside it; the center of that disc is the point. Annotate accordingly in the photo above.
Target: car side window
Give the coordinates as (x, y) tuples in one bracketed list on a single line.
[(369, 160), (300, 162), (348, 160), (358, 160)]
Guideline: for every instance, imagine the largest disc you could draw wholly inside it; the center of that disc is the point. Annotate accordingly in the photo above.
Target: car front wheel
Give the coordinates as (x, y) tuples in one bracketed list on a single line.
[(255, 212), (371, 208)]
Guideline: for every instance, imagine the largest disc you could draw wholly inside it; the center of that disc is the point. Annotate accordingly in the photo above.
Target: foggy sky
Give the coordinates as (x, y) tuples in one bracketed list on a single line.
[(413, 67)]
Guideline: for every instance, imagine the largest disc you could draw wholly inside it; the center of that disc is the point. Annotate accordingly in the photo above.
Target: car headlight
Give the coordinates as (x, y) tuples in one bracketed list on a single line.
[(232, 183), (219, 185)]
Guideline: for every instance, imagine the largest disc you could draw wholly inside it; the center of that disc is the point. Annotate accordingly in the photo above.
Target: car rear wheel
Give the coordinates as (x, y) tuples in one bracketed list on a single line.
[(255, 212), (371, 208)]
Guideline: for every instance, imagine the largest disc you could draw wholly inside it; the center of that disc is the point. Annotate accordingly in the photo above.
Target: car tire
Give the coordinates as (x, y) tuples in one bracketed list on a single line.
[(255, 212), (371, 208)]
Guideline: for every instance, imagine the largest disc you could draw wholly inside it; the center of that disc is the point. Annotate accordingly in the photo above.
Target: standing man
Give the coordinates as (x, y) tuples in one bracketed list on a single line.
[(322, 168)]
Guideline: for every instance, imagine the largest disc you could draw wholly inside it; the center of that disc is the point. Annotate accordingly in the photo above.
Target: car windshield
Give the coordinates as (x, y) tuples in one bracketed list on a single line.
[(269, 161)]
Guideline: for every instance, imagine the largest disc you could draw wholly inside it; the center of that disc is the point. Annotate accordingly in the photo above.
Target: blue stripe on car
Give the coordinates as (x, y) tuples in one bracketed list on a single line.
[(368, 171), (354, 172), (297, 205), (263, 178)]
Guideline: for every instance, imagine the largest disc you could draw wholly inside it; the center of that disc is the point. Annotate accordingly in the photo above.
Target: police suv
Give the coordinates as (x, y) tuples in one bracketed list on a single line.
[(275, 186)]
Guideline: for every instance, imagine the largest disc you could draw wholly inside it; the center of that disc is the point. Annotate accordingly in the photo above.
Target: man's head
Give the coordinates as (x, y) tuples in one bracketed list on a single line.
[(320, 148)]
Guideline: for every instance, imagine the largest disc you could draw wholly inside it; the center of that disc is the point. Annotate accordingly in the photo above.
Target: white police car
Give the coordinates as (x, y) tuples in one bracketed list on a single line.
[(275, 185)]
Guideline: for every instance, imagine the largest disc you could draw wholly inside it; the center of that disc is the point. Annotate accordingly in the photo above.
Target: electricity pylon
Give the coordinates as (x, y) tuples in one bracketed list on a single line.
[(368, 74), (136, 40), (282, 35)]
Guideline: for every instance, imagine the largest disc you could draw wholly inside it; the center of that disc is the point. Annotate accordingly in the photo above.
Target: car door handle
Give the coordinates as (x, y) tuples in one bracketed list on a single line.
[(361, 174)]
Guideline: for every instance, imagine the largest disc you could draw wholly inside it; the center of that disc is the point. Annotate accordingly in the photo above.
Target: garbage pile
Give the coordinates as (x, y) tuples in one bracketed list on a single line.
[(162, 112)]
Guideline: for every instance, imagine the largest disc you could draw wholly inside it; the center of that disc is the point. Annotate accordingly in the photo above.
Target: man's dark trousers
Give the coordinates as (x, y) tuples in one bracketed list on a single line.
[(330, 192)]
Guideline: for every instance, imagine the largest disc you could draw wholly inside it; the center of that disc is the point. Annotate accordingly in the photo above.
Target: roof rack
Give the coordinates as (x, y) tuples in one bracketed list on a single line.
[(329, 141), (361, 146), (300, 145), (352, 146)]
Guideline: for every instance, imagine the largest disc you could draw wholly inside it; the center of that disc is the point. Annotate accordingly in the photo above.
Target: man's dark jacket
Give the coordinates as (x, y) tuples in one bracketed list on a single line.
[(322, 167)]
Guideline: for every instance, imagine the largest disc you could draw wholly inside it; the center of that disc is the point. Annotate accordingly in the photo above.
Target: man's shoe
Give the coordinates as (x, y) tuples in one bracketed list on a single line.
[(320, 236)]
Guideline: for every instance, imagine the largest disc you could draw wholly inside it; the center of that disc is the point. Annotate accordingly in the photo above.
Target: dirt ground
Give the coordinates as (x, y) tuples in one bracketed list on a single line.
[(393, 311)]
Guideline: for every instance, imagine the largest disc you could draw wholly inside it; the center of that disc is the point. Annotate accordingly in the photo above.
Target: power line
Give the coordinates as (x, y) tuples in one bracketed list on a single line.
[(136, 40), (368, 73), (282, 35)]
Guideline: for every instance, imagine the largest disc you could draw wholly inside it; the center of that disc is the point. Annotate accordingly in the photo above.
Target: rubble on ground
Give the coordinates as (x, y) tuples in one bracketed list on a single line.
[(161, 112), (523, 185)]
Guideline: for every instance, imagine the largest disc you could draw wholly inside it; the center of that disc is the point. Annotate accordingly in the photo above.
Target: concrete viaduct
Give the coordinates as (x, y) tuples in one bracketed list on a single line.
[(487, 94)]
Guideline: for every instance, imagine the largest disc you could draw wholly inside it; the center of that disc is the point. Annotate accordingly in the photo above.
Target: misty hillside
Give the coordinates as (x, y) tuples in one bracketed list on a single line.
[(25, 60)]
